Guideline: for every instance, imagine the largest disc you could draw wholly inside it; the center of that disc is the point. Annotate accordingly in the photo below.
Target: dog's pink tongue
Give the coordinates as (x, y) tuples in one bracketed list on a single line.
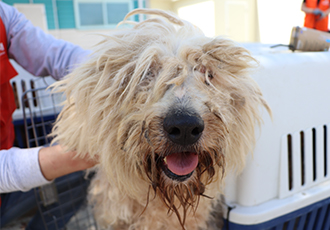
[(182, 163)]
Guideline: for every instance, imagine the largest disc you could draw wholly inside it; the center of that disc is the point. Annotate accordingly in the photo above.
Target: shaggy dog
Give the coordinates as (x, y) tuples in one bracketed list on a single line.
[(168, 111)]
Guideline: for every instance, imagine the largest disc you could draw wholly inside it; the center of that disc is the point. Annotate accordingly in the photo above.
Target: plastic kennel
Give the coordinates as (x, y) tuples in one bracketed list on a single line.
[(286, 182)]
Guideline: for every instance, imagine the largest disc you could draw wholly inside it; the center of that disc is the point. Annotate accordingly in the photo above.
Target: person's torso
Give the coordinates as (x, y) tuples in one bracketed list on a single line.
[(7, 100), (315, 21), (321, 4)]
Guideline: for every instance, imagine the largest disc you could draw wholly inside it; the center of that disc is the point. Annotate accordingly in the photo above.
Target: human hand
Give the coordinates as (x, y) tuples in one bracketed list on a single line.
[(55, 161), (323, 15), (317, 12)]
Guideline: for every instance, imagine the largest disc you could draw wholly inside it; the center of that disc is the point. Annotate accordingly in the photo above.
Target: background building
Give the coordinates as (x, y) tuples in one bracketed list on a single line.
[(79, 21), (241, 20)]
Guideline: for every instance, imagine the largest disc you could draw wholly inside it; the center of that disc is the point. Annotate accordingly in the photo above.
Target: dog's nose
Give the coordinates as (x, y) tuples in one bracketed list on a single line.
[(183, 129)]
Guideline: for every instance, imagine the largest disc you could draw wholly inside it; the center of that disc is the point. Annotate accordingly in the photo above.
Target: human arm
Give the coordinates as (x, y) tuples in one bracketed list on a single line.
[(325, 13), (20, 170), (306, 9), (39, 53), (55, 162), (24, 169), (315, 11)]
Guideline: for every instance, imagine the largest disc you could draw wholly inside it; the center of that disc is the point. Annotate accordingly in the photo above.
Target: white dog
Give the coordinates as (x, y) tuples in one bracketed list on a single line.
[(168, 111)]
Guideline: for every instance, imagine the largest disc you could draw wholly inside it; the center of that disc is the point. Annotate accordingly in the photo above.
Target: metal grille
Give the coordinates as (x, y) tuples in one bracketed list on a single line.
[(305, 160), (40, 110), (61, 204)]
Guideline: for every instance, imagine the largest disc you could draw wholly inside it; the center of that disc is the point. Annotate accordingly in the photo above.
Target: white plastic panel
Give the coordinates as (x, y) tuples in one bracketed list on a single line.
[(308, 164), (278, 207), (296, 86)]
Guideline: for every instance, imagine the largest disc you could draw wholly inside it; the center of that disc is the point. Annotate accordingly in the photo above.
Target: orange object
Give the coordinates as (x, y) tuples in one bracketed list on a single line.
[(7, 100), (314, 21)]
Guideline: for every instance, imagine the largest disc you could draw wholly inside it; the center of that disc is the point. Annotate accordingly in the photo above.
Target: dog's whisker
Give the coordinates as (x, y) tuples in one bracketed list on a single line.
[(145, 208), (206, 196)]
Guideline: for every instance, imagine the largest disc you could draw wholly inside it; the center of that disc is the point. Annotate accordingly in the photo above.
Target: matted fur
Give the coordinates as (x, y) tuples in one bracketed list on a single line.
[(115, 107)]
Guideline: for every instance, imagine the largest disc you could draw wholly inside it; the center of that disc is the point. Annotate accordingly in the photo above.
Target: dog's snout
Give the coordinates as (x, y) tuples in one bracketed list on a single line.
[(183, 129)]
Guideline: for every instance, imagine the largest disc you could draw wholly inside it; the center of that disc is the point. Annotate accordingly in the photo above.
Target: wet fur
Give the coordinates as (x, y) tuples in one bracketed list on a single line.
[(115, 107)]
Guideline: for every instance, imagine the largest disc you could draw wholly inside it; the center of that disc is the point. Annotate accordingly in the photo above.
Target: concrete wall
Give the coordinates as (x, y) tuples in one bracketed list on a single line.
[(161, 4), (235, 19), (36, 13), (84, 38)]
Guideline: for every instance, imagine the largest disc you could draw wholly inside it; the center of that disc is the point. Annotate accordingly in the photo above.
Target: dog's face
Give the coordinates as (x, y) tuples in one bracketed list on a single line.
[(169, 107)]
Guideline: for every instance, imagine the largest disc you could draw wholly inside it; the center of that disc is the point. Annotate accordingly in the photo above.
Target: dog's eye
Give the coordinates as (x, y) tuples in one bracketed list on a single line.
[(150, 74), (209, 78)]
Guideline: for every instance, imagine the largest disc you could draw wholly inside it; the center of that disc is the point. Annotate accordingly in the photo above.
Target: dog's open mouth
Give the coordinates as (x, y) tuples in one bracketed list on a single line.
[(180, 166)]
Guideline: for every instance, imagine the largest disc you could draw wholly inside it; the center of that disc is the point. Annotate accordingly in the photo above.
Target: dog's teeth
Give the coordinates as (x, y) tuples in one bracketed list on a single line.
[(165, 160)]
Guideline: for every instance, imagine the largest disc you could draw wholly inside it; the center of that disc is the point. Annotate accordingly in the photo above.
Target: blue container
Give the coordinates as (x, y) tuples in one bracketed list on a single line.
[(312, 217)]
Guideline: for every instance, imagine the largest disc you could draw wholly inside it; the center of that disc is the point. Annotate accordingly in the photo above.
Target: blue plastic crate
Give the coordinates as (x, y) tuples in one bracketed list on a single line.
[(312, 217)]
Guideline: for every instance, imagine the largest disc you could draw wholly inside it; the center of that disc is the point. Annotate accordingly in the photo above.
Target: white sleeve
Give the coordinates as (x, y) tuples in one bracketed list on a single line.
[(20, 170)]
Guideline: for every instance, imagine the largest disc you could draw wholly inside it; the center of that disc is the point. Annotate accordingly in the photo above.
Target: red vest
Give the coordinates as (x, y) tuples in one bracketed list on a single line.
[(313, 21), (7, 100)]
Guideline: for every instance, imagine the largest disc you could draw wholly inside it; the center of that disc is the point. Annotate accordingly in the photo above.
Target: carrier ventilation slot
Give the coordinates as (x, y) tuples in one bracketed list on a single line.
[(305, 159), (14, 86), (25, 86)]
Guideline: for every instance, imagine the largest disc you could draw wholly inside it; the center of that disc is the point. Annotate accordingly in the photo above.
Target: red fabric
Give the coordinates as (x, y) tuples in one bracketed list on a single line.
[(313, 21), (7, 100)]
